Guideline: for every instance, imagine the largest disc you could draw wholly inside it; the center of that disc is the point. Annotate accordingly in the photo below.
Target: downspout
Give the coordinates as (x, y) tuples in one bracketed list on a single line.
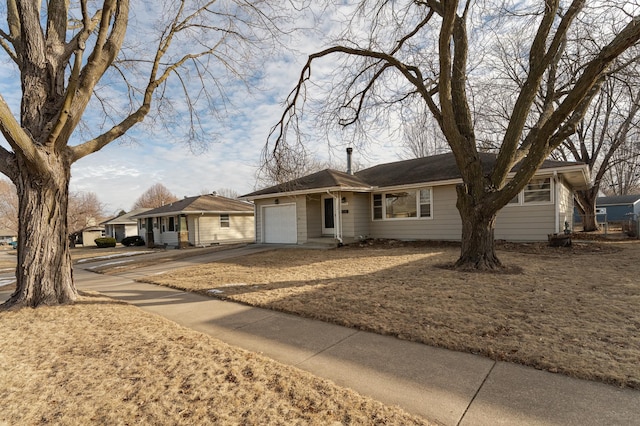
[(556, 200), (336, 217), (338, 214)]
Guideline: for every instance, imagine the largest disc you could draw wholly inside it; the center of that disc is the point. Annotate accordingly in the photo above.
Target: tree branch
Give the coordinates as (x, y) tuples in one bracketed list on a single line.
[(17, 137), (5, 41)]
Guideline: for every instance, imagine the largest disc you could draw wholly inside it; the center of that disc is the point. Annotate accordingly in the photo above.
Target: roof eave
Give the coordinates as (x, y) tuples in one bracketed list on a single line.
[(581, 168), (308, 191), (193, 212)]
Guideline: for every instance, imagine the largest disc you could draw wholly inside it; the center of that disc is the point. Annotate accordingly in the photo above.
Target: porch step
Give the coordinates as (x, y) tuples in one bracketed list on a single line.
[(325, 242)]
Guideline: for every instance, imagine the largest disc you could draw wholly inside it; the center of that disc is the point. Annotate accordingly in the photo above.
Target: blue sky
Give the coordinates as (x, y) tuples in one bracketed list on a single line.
[(123, 170)]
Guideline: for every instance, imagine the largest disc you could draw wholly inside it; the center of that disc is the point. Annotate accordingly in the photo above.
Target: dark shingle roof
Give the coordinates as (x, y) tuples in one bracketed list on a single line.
[(430, 169), (618, 199), (327, 178), (201, 203), (426, 169)]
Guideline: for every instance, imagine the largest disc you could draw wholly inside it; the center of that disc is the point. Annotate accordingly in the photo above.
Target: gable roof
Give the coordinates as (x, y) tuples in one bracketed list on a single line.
[(436, 168), (325, 179), (618, 199), (208, 203), (125, 219)]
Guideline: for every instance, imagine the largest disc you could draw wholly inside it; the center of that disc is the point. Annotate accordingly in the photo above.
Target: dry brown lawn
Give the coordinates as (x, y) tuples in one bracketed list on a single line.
[(104, 362), (568, 310)]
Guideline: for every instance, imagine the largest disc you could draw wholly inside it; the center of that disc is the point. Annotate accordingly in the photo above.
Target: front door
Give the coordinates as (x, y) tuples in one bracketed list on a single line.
[(328, 215)]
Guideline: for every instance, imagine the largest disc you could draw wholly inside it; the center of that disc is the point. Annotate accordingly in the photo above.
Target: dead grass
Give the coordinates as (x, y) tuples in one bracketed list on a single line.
[(569, 310), (104, 362)]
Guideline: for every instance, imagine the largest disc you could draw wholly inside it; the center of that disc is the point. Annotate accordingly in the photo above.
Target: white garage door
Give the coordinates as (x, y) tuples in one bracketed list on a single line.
[(279, 224)]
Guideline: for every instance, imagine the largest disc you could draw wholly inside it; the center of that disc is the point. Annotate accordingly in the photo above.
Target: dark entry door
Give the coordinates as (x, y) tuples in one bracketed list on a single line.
[(328, 213)]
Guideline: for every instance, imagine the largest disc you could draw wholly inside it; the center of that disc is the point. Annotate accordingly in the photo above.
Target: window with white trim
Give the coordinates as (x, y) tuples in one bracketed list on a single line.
[(537, 191), (400, 205), (224, 221), (408, 204), (377, 206), (425, 203), (172, 224)]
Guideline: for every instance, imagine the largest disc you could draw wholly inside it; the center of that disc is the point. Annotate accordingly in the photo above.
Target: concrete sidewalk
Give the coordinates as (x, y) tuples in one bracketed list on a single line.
[(444, 386)]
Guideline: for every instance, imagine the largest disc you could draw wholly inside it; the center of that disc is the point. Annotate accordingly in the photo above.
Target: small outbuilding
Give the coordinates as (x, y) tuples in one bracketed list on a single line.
[(202, 220)]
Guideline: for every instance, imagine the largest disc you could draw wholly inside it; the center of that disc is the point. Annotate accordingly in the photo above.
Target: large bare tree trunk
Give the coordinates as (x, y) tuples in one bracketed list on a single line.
[(478, 244), (587, 206), (44, 271)]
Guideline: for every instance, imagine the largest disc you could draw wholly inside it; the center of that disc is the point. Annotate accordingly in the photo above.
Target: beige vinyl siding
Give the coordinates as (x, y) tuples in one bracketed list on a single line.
[(301, 218), (360, 211), (206, 230), (314, 216), (525, 222), (444, 225), (565, 206)]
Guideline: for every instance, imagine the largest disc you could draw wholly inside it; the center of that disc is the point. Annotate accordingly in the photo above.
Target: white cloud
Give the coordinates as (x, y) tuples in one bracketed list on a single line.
[(121, 172)]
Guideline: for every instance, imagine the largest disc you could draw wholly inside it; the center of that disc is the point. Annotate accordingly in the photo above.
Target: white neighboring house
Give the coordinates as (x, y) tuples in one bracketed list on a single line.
[(408, 200), (124, 225), (198, 221)]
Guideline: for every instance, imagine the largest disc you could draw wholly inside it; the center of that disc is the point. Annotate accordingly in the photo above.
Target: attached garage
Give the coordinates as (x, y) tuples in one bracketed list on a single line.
[(279, 224)]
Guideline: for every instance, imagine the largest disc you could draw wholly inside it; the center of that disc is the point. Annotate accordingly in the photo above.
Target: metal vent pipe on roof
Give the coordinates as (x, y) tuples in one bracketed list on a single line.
[(349, 152)]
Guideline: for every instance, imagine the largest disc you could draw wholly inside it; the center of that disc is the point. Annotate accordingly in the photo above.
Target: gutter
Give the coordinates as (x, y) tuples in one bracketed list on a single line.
[(556, 201)]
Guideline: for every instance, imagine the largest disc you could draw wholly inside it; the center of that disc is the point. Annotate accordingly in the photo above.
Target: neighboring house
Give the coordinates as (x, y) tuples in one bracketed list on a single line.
[(124, 225), (408, 200), (618, 208), (198, 221), (90, 233)]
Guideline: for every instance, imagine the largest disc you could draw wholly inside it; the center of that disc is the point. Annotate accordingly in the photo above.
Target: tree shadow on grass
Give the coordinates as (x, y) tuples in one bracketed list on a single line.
[(515, 317)]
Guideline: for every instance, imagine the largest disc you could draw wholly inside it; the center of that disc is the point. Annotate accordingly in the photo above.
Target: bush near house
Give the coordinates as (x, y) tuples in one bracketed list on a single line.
[(105, 242), (135, 240)]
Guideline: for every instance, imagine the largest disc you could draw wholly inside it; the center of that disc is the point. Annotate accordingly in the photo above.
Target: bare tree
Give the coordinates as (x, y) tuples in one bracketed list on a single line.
[(289, 163), (422, 137), (605, 139), (85, 209), (8, 207), (156, 196), (73, 61), (422, 49), (228, 192), (623, 175)]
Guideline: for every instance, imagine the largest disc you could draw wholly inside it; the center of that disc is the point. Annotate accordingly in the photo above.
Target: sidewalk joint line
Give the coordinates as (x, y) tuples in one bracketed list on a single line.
[(477, 392), (328, 347)]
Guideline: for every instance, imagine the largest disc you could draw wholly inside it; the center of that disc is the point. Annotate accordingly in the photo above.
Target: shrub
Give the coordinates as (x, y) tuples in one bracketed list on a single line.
[(135, 240), (105, 242)]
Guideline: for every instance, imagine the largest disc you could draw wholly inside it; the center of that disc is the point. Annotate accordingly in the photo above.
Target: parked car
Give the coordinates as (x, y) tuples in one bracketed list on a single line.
[(134, 240), (13, 244)]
